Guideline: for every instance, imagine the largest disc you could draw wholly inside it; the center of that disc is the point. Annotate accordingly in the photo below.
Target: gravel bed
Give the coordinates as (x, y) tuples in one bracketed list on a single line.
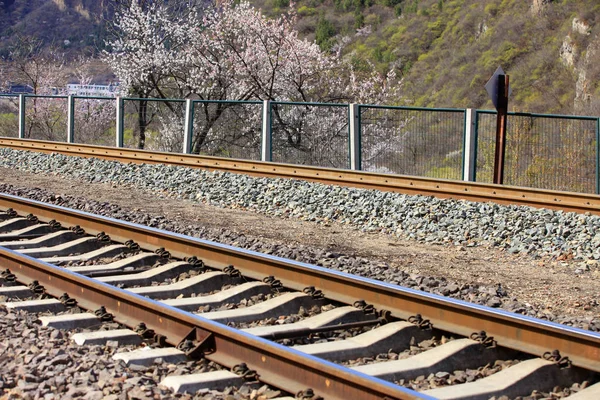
[(441, 379), (167, 281), (303, 313), (97, 261), (414, 349), (479, 294), (41, 362), (518, 229), (325, 337), (557, 392), (259, 298)]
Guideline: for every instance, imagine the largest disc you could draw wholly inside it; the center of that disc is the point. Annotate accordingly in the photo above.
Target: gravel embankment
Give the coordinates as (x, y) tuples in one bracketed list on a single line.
[(518, 229)]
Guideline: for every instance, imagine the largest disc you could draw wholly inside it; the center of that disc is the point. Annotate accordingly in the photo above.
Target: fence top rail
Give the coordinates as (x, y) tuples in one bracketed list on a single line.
[(308, 104), (153, 99), (93, 97), (46, 96), (298, 103), (253, 102), (535, 115), (408, 108)]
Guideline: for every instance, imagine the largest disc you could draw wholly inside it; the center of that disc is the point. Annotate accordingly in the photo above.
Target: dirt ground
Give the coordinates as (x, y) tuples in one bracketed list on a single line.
[(551, 284)]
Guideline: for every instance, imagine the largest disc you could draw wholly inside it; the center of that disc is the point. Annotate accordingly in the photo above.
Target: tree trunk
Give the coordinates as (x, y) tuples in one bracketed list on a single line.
[(200, 137), (142, 122)]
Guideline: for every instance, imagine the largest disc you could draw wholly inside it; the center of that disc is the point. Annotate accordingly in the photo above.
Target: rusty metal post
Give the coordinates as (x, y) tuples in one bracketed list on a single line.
[(503, 85)]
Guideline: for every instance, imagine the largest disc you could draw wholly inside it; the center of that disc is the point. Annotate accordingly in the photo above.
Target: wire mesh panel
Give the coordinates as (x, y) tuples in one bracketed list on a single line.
[(46, 118), (310, 134), (154, 124), (542, 151), (227, 129), (412, 141), (9, 116), (94, 121)]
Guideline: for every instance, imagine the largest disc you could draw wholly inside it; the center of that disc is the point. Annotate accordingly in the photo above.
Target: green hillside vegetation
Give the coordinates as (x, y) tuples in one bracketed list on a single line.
[(75, 27), (445, 50)]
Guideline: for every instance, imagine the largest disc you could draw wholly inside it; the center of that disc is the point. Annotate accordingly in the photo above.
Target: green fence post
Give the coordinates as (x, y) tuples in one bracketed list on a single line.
[(469, 146), (354, 136), (22, 116), (475, 143), (188, 126), (267, 133), (119, 121), (597, 155), (70, 119)]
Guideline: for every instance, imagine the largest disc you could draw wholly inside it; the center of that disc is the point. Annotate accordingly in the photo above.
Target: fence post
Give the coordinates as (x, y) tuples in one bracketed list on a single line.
[(355, 136), (188, 128), (470, 145), (597, 155), (70, 119), (22, 116), (266, 147), (120, 121)]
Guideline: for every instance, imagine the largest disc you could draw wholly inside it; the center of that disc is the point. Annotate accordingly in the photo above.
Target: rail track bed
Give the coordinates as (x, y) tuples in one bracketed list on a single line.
[(292, 326)]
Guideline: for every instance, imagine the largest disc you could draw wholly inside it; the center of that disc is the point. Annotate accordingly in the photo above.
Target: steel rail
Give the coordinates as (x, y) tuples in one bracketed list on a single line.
[(481, 192), (518, 332), (277, 365)]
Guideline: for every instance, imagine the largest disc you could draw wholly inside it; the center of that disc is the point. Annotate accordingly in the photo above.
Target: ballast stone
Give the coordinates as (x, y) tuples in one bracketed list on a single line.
[(518, 229)]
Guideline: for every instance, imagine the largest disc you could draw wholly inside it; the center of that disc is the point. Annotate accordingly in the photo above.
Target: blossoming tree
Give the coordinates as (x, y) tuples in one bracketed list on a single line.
[(231, 52), (46, 72)]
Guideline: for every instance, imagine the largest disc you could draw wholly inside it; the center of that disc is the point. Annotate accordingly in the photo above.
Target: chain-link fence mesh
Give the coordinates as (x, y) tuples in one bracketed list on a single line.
[(227, 129), (410, 141), (153, 124), (310, 134), (46, 118), (542, 151), (9, 116), (546, 152), (94, 121)]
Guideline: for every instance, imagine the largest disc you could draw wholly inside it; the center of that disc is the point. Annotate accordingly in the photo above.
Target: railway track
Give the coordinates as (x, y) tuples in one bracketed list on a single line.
[(442, 188), (296, 327)]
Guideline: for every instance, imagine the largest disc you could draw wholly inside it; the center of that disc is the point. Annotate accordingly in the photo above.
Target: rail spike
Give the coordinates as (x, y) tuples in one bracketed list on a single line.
[(308, 394), (8, 276), (420, 321), (197, 343), (104, 315), (484, 339), (245, 372), (556, 358)]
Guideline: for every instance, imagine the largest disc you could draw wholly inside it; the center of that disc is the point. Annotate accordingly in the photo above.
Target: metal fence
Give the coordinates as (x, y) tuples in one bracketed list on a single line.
[(555, 152), (310, 134), (227, 129), (9, 115), (45, 117), (93, 120), (412, 141), (153, 124)]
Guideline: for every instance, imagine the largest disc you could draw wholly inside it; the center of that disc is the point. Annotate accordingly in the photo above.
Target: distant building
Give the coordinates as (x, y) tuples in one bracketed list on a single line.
[(19, 88), (77, 89)]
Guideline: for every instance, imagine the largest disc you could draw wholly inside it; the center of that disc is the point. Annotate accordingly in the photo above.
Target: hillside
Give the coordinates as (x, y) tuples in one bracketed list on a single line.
[(447, 49), (444, 49), (73, 26)]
